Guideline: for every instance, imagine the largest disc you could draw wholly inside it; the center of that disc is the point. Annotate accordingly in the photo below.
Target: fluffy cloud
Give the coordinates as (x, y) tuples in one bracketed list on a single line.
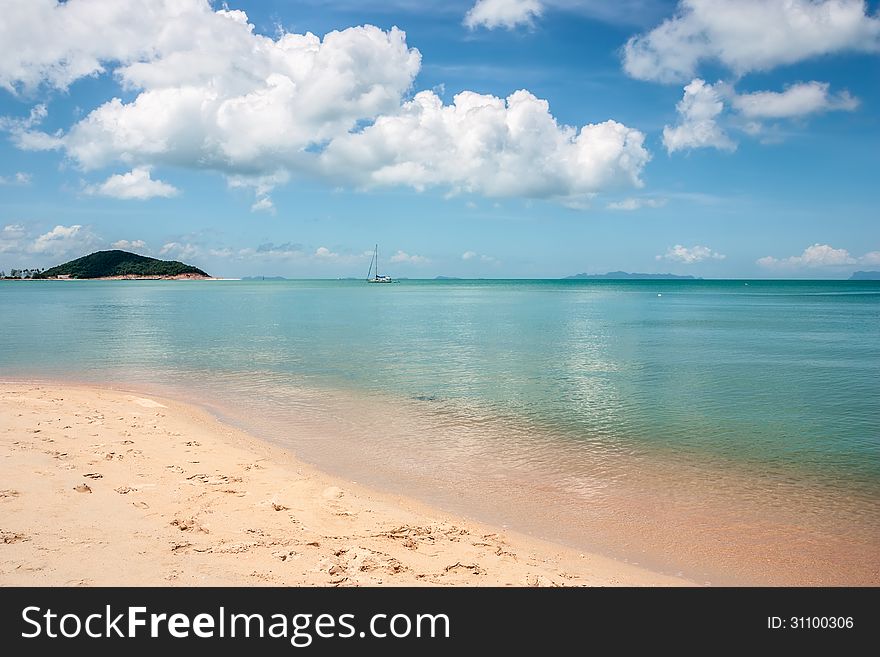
[(136, 184), (47, 42), (403, 257), (820, 255), (705, 108), (256, 104), (746, 36), (749, 35), (180, 250), (62, 240), (23, 131), (261, 186), (270, 250), (20, 178), (689, 256), (510, 13), (208, 92), (293, 252), (473, 256), (502, 13), (130, 245), (636, 204), (484, 144), (698, 111), (11, 237), (263, 204), (12, 231), (796, 100)]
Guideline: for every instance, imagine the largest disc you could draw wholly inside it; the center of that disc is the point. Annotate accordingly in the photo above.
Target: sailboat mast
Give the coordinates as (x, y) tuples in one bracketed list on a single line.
[(377, 260)]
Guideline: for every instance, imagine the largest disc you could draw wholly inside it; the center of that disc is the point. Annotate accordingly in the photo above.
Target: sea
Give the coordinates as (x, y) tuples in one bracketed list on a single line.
[(727, 431)]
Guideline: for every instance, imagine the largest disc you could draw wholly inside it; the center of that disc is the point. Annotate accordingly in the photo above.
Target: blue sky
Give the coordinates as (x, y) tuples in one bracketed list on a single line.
[(506, 138)]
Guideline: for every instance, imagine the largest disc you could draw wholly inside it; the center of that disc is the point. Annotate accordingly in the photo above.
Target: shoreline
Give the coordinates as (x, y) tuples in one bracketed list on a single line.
[(180, 277), (108, 487)]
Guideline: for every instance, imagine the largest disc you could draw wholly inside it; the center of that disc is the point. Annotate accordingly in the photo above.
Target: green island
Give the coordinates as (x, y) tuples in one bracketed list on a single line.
[(121, 264)]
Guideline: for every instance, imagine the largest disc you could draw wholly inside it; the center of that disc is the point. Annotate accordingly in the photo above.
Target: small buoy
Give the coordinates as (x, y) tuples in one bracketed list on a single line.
[(659, 295)]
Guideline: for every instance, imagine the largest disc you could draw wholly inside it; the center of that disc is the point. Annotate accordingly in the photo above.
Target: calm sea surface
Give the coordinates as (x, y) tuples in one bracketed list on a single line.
[(729, 430)]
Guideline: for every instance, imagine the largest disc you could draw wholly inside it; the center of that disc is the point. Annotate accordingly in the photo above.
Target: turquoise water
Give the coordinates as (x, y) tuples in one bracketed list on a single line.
[(778, 379)]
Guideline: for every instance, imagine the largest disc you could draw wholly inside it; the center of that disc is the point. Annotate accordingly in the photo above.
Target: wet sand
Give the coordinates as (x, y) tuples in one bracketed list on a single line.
[(105, 487)]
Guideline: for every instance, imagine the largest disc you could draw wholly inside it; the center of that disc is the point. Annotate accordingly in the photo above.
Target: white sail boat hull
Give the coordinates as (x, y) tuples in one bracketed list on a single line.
[(377, 277)]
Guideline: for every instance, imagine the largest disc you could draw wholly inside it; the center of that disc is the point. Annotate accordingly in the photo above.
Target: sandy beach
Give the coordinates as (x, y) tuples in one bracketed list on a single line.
[(108, 487)]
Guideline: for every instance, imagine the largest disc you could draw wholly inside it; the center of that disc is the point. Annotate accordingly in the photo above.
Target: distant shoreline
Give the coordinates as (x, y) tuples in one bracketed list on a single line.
[(567, 279), (181, 277)]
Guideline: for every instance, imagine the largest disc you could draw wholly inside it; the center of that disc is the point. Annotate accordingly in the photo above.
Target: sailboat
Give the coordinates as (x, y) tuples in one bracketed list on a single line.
[(377, 277)]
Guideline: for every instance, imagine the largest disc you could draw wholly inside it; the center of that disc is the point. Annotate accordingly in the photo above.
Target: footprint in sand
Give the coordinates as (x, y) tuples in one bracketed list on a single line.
[(538, 581), (8, 493), (82, 488), (189, 524), (458, 566), (213, 480), (124, 490), (12, 537), (93, 475), (284, 555)]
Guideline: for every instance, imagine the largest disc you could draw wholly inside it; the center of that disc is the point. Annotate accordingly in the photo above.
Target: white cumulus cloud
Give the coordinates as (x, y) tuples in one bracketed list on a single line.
[(11, 238), (690, 255), (403, 257), (180, 250), (12, 231), (698, 127), (819, 255), (204, 90), (130, 245), (473, 256), (796, 100), (63, 240), (244, 103), (502, 13), (749, 35), (489, 145), (708, 111), (136, 184)]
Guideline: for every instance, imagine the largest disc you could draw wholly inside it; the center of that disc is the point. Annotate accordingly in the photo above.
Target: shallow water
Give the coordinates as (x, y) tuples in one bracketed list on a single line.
[(727, 431)]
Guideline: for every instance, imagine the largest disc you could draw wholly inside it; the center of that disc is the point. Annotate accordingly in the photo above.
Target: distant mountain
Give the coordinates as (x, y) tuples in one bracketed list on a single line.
[(622, 275), (265, 278), (122, 264), (865, 276)]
